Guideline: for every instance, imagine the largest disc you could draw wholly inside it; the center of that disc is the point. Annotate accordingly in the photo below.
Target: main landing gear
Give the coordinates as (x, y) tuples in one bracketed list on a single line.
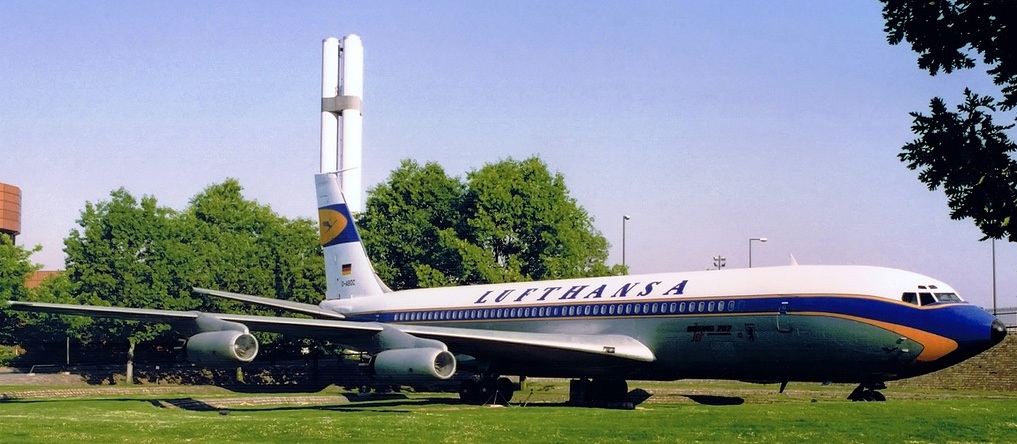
[(488, 389), (610, 393), (868, 392)]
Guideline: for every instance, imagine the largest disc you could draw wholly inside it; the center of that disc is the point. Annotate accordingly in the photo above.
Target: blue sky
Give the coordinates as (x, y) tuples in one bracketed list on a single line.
[(707, 122)]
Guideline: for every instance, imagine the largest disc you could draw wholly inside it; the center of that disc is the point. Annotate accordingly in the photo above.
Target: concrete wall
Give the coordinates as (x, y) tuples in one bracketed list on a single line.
[(993, 370)]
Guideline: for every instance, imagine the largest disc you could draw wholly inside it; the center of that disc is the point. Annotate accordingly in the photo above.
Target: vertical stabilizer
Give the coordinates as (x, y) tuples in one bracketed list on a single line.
[(348, 270)]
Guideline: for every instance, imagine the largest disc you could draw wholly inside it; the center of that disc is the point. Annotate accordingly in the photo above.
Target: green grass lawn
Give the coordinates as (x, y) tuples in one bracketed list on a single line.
[(752, 415)]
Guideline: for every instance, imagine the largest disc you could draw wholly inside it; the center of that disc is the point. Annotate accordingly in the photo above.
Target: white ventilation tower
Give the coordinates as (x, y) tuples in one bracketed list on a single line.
[(342, 94)]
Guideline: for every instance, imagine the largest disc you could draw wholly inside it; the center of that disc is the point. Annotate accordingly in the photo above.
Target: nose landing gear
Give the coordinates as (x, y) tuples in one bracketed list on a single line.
[(868, 391)]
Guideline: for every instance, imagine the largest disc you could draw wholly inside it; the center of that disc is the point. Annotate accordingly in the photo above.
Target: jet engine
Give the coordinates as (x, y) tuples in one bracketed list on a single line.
[(222, 348), (410, 365)]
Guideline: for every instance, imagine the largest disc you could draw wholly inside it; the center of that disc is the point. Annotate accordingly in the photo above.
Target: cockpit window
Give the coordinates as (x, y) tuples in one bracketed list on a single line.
[(911, 298), (927, 298), (947, 297)]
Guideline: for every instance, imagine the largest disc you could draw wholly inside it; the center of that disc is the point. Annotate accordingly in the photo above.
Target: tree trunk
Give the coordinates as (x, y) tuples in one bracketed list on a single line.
[(130, 363)]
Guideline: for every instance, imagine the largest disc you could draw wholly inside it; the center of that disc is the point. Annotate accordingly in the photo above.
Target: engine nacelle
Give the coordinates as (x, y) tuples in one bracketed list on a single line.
[(221, 348), (412, 365)]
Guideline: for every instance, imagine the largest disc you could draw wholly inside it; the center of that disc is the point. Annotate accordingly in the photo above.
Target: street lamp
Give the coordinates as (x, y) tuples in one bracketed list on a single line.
[(719, 261), (994, 276), (761, 239), (624, 218)]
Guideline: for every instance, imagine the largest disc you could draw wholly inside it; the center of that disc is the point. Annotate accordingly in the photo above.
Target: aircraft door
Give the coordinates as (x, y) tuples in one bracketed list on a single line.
[(783, 319)]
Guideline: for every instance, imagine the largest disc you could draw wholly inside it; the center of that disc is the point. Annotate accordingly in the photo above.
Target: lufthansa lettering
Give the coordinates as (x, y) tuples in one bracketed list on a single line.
[(628, 289)]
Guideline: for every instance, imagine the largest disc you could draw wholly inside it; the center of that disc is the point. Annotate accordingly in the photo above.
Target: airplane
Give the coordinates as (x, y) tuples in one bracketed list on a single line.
[(844, 324)]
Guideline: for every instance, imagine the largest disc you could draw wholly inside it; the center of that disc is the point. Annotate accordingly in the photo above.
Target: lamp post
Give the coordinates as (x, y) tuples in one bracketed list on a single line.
[(624, 218), (761, 239), (994, 276), (719, 261)]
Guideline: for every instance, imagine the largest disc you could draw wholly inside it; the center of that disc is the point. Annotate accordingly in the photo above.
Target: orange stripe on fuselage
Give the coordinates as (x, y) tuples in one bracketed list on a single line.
[(933, 346)]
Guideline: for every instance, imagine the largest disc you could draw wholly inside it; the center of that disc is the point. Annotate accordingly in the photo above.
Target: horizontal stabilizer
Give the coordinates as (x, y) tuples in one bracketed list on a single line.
[(297, 307)]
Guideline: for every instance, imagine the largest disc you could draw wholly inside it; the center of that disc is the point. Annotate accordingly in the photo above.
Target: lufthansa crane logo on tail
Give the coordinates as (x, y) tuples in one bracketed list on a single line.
[(335, 227)]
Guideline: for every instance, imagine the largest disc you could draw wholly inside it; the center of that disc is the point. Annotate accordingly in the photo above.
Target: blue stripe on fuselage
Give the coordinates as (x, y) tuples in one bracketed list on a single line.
[(961, 322)]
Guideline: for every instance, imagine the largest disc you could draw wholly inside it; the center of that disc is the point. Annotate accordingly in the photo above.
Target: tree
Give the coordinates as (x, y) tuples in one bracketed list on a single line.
[(135, 253), (964, 152), (15, 268), (125, 255), (403, 225), (523, 217), (968, 155), (509, 221)]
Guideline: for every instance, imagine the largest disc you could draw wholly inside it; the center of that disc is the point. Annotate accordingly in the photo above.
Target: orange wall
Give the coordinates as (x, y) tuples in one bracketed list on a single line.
[(10, 209)]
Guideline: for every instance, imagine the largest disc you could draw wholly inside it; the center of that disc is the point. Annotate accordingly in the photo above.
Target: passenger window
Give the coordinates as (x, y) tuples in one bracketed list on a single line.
[(673, 307), (709, 308), (927, 298), (681, 308), (702, 306), (910, 298)]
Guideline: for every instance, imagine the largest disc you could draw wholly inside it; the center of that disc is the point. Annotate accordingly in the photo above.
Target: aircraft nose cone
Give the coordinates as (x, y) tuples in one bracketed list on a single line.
[(998, 332)]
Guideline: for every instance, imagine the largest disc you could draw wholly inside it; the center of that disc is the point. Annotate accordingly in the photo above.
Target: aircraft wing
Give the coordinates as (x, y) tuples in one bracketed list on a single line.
[(472, 342), (185, 321)]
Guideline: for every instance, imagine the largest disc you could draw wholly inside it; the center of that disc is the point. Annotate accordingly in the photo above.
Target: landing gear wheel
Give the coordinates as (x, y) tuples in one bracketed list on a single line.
[(487, 390), (504, 388), (868, 393), (469, 392)]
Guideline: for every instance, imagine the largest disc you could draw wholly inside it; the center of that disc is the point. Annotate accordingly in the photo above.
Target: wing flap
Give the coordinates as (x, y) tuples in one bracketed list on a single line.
[(607, 345)]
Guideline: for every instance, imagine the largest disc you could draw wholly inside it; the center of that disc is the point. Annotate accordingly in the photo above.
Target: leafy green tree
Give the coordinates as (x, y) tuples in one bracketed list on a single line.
[(969, 156), (239, 245), (15, 268), (125, 255), (404, 222), (134, 253), (964, 152), (522, 216), (509, 221)]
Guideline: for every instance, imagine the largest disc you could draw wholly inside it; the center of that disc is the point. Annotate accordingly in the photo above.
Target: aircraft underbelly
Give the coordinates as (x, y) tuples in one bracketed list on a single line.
[(747, 347), (777, 348)]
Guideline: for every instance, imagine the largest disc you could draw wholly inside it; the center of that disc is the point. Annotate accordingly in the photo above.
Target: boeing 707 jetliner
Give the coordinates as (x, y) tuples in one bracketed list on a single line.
[(849, 324)]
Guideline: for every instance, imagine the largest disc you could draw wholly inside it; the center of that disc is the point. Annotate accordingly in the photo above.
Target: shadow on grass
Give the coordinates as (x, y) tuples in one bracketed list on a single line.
[(280, 388), (716, 400), (344, 402)]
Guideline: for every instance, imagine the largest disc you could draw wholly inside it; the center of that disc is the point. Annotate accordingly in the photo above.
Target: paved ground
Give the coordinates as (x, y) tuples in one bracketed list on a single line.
[(43, 377)]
